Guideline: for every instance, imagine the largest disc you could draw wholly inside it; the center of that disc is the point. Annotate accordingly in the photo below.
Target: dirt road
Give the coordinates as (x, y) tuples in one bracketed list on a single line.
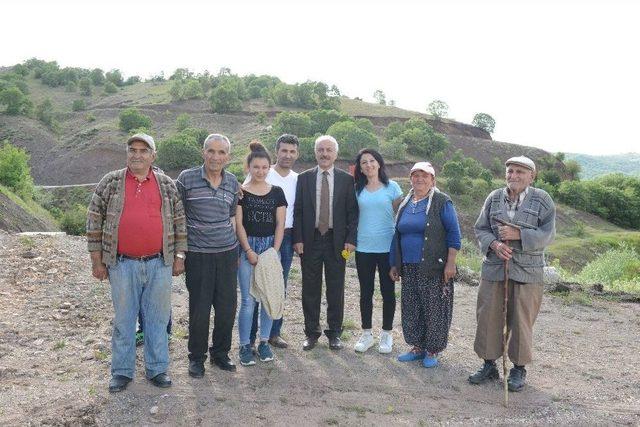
[(55, 352)]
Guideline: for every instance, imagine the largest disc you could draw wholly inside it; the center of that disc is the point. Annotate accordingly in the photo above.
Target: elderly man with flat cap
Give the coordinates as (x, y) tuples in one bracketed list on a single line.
[(137, 237), (515, 225)]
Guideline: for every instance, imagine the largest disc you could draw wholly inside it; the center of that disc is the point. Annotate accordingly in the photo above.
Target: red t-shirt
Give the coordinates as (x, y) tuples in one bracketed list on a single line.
[(140, 229)]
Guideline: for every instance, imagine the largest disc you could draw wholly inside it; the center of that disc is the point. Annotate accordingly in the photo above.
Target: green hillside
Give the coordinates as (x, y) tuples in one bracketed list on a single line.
[(594, 166)]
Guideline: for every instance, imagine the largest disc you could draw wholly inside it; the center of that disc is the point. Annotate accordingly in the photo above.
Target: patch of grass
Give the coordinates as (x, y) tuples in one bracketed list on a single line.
[(389, 410), (575, 298), (346, 335), (180, 333), (30, 206), (469, 256), (100, 355), (59, 345), (349, 324), (360, 411), (331, 421), (92, 390), (27, 242), (617, 269)]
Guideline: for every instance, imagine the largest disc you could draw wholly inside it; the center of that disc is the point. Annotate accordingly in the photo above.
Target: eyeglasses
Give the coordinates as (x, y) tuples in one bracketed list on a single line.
[(142, 151)]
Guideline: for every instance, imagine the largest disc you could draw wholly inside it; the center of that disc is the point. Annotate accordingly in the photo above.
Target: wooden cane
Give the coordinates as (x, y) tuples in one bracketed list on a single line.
[(505, 303)]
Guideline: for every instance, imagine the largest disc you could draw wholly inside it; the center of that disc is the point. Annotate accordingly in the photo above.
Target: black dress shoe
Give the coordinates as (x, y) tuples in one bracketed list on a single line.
[(118, 383), (224, 363), (161, 380), (516, 379), (278, 342), (196, 369), (335, 343), (309, 343), (489, 371)]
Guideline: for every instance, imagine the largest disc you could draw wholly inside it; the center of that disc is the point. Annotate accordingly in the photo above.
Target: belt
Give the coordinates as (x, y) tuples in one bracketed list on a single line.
[(141, 258), (288, 230)]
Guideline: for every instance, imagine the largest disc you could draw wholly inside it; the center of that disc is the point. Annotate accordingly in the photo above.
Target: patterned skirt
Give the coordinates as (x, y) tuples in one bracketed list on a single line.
[(427, 309)]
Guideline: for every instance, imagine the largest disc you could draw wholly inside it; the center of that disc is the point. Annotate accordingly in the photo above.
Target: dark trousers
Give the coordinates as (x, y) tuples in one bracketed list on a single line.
[(366, 264), (212, 280), (318, 254)]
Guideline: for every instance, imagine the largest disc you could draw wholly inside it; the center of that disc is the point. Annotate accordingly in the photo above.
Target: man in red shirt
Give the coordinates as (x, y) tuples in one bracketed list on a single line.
[(137, 239)]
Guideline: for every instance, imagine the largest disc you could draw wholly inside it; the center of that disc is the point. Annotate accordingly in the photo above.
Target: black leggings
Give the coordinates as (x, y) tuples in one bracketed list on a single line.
[(366, 264)]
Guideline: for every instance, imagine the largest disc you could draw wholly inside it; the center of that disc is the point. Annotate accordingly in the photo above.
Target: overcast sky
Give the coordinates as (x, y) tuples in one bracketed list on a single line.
[(559, 75)]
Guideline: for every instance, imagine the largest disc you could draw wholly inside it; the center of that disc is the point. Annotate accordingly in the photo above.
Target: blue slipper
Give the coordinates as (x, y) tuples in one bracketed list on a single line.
[(430, 361), (411, 355)]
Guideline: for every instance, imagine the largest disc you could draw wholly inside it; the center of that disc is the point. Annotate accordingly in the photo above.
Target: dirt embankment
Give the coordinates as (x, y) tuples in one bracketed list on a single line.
[(14, 218), (55, 356)]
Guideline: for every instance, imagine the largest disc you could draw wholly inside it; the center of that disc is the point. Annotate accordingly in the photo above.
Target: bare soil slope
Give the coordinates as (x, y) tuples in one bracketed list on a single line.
[(55, 352)]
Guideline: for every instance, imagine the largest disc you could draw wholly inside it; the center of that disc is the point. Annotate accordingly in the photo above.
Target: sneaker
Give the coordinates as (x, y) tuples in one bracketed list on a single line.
[(487, 372), (364, 343), (516, 379), (414, 354), (139, 338), (386, 342), (246, 356), (264, 352), (430, 360)]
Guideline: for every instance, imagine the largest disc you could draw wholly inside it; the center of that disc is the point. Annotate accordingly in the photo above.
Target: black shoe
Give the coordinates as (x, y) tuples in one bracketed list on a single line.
[(489, 371), (516, 379), (196, 368), (309, 343), (161, 380), (278, 342), (224, 363), (118, 383), (335, 343)]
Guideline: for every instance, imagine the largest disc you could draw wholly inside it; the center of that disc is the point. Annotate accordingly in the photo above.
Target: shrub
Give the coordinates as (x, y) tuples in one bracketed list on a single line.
[(178, 152), (298, 124), (45, 112), (132, 80), (110, 87), (352, 138), (90, 117), (183, 121), (261, 117), (15, 100), (15, 172), (393, 150), (115, 77), (197, 134), (307, 149), (238, 170), (71, 87), (73, 220), (131, 118), (193, 90), (97, 77), (321, 120), (617, 269), (78, 105), (85, 86), (224, 99), (394, 130)]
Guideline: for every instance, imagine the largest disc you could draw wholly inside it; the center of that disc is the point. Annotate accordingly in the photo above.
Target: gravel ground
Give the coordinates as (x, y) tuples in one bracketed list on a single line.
[(55, 353)]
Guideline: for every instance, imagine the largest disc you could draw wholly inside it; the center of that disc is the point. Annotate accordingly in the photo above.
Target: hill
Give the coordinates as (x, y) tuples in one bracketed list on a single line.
[(594, 166), (17, 215)]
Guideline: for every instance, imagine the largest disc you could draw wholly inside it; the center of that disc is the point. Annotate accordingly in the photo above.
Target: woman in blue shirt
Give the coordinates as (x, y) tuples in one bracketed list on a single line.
[(378, 199), (423, 252)]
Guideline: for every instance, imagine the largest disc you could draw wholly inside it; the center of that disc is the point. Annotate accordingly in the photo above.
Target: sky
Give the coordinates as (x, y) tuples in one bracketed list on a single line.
[(558, 75)]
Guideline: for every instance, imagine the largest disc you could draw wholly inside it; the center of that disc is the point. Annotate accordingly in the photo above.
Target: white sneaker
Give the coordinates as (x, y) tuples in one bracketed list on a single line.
[(386, 342), (364, 343)]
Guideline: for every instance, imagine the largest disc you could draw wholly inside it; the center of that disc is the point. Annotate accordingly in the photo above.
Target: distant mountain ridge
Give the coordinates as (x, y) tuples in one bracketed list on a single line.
[(594, 166)]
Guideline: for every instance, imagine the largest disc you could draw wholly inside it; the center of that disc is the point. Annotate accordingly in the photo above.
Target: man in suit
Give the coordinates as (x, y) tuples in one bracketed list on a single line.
[(324, 224)]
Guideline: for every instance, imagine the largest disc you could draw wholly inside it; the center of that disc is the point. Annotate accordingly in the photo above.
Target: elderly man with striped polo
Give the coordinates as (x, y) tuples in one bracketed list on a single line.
[(210, 197), (515, 225), (137, 238)]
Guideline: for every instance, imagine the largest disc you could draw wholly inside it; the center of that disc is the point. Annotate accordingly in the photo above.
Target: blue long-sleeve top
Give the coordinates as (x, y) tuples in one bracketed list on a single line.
[(411, 226)]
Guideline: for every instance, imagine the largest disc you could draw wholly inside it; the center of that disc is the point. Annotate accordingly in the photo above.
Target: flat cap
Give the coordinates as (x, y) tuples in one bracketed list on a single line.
[(521, 161), (423, 166)]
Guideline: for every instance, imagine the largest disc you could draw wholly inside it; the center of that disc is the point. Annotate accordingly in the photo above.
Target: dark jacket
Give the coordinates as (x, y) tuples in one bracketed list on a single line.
[(345, 209)]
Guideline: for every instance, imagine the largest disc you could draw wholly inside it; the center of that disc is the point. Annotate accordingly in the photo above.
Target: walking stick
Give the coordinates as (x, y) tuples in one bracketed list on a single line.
[(505, 303)]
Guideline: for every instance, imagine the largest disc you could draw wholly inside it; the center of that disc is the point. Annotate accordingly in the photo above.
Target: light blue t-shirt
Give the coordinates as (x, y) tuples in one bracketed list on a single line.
[(376, 220)]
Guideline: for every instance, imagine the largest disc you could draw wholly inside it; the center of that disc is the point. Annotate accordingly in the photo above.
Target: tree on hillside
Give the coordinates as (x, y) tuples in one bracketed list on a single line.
[(131, 118), (352, 138), (183, 121), (298, 124), (85, 86), (15, 172), (573, 169), (16, 101), (438, 109), (110, 88), (115, 77), (97, 77), (45, 112), (224, 99), (321, 120), (484, 121), (178, 152), (380, 97)]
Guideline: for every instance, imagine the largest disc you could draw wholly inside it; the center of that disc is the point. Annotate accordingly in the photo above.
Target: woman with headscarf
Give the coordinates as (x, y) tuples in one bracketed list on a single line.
[(423, 253)]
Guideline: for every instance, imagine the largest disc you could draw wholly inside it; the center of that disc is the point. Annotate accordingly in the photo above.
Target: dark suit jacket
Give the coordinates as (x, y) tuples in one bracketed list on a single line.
[(345, 209)]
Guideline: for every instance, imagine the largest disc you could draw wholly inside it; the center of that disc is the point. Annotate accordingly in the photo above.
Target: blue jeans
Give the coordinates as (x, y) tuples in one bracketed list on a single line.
[(247, 302), (140, 286)]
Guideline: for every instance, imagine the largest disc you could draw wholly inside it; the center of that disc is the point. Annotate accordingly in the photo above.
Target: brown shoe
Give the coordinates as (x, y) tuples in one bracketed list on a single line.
[(278, 342), (309, 343)]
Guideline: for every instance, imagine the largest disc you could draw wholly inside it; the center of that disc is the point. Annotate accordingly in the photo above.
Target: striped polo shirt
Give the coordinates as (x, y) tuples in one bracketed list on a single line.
[(209, 210)]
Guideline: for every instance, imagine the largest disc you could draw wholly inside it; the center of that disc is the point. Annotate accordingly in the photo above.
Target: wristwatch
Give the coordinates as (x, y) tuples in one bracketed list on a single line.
[(181, 255)]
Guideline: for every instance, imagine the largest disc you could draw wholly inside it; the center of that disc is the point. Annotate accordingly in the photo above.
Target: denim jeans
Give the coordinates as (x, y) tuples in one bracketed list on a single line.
[(247, 302), (140, 286)]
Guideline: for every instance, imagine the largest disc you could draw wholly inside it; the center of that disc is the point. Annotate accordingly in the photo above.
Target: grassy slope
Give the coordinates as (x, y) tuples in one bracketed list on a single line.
[(30, 207), (593, 166)]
